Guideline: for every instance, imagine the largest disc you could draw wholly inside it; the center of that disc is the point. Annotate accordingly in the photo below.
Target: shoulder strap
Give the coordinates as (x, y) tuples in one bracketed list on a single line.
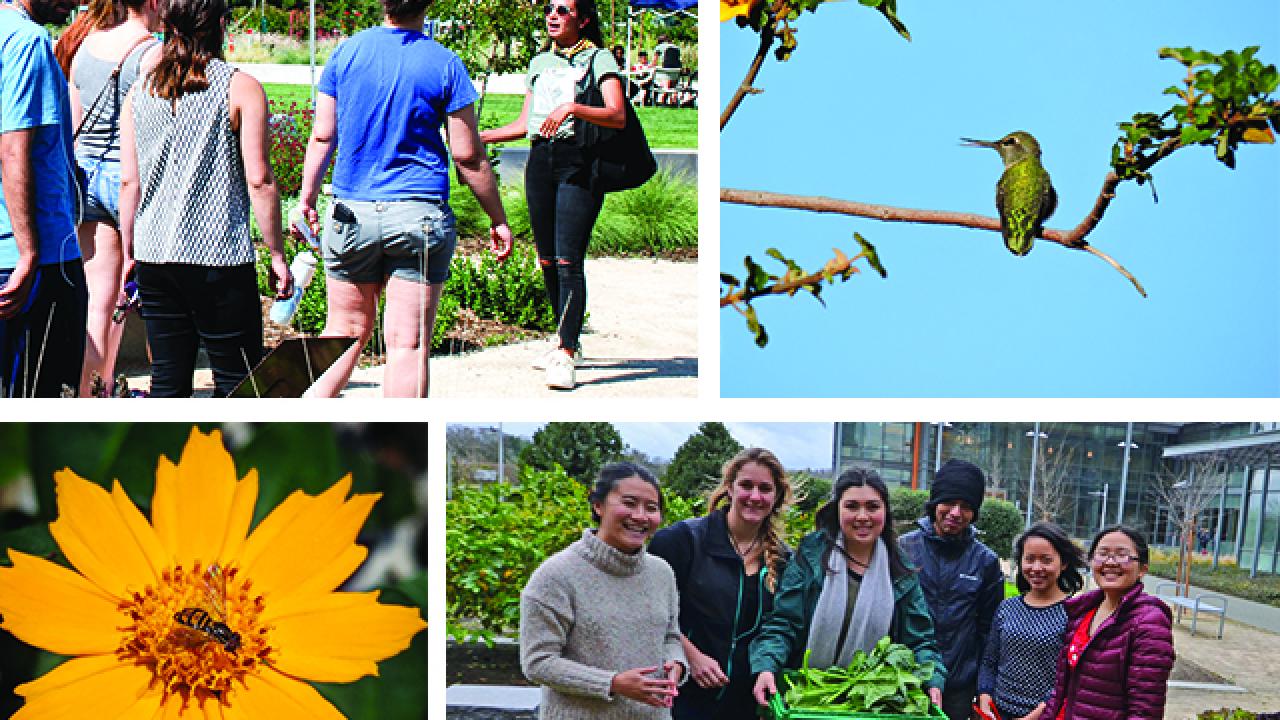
[(113, 83)]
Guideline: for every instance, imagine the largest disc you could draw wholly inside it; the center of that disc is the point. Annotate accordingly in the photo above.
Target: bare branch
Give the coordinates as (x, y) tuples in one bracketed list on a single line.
[(747, 86), (887, 213)]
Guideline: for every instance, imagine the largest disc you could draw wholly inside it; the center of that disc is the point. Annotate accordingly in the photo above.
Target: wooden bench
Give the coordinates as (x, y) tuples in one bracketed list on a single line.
[(1207, 602)]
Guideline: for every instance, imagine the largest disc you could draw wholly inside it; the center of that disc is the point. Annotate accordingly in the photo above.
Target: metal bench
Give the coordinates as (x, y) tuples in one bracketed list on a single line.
[(1207, 602)]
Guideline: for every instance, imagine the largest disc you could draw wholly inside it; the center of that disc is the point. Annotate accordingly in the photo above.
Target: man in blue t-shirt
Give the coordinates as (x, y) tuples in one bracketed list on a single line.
[(43, 298), (383, 98)]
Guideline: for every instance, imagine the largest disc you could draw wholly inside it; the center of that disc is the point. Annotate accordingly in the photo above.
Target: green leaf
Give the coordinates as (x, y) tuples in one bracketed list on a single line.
[(1192, 135), (33, 539), (872, 256)]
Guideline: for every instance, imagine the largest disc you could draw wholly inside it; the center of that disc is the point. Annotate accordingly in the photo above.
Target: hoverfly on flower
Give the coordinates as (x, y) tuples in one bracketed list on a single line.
[(209, 617)]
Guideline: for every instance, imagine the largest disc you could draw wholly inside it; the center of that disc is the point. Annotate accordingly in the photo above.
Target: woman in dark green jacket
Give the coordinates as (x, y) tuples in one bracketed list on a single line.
[(847, 586)]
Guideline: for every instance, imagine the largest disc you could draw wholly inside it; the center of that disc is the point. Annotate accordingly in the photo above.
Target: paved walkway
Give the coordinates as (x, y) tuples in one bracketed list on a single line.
[(512, 84), (1245, 657)]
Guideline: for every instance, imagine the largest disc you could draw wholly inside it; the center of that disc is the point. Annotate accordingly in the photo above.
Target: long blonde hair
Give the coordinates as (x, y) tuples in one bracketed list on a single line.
[(772, 527)]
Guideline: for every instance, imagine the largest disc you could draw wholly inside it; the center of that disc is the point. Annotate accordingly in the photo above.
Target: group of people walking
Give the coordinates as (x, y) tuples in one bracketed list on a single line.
[(134, 183), (702, 621)]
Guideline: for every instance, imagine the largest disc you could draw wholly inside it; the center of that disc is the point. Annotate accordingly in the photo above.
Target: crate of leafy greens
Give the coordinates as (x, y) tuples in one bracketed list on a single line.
[(885, 683)]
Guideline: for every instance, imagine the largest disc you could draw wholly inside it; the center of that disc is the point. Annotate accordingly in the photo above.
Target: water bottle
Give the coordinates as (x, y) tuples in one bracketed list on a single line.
[(299, 223), (303, 269)]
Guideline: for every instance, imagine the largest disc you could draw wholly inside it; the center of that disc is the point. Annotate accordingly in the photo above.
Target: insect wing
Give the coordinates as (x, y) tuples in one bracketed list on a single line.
[(214, 594)]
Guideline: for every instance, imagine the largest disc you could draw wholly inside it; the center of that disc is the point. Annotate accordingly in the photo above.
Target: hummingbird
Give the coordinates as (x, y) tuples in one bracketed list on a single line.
[(1025, 197)]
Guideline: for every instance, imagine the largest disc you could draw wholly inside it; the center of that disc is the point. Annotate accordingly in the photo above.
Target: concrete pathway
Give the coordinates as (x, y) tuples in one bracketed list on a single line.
[(1246, 657), (512, 84)]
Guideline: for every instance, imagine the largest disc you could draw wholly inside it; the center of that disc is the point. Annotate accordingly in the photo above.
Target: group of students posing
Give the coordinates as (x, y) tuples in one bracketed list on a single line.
[(170, 155), (703, 622)]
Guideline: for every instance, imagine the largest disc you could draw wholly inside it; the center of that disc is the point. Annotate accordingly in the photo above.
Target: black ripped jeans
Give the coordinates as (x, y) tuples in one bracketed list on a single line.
[(562, 211)]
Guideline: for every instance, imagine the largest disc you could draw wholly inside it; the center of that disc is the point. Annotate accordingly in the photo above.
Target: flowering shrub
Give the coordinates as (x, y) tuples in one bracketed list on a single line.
[(289, 128)]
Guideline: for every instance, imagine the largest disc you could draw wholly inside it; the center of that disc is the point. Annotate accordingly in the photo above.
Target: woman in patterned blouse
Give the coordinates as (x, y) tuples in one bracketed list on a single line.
[(1017, 670), (193, 160)]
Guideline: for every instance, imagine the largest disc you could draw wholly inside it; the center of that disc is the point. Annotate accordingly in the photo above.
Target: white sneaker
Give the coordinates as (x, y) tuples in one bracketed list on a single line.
[(540, 362), (560, 372)]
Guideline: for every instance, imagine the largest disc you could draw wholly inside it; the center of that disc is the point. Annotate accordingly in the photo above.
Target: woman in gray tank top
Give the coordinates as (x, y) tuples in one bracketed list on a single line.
[(193, 141), (97, 91)]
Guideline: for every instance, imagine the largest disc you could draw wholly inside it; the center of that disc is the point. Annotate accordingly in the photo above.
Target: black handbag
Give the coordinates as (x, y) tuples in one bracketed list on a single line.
[(619, 159)]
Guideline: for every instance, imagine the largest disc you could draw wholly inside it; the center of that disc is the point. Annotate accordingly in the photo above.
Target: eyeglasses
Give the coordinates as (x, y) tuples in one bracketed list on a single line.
[(1121, 557), (561, 10)]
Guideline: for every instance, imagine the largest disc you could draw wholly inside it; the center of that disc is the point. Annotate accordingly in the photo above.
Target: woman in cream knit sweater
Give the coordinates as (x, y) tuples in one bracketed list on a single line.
[(599, 620)]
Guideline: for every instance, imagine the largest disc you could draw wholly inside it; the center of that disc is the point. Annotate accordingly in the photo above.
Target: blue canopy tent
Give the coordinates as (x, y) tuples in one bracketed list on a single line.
[(664, 8)]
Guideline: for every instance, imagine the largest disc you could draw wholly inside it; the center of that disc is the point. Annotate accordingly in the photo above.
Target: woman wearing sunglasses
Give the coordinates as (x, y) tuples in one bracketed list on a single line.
[(563, 206), (1119, 649)]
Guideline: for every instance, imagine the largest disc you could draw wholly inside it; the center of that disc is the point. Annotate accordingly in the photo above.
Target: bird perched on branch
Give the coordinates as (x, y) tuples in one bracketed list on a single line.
[(1025, 197)]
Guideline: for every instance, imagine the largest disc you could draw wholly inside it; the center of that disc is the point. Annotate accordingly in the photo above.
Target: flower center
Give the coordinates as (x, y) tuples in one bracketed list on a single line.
[(197, 632)]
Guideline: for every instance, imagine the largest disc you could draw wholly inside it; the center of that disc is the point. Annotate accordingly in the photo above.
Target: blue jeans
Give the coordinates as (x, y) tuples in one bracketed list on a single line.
[(102, 193), (42, 347), (562, 213)]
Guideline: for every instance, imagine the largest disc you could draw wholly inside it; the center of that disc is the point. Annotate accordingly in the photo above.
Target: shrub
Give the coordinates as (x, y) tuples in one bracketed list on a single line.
[(497, 534), (510, 292), (657, 217), (289, 128), (908, 506), (1000, 522)]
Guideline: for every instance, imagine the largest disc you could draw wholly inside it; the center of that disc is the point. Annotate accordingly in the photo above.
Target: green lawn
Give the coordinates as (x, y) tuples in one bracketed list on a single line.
[(664, 127)]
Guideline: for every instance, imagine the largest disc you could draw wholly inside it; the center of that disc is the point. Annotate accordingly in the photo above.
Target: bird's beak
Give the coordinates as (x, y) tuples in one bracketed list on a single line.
[(970, 142)]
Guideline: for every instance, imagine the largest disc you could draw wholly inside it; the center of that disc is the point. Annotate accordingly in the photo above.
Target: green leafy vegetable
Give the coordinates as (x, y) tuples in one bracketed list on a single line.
[(886, 680)]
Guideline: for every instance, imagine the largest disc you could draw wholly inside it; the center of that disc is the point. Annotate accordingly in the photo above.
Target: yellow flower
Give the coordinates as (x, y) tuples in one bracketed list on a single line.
[(730, 9), (116, 616)]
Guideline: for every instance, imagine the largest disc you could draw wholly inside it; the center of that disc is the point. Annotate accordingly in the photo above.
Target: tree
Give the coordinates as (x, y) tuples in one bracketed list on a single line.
[(1186, 489), (1051, 499), (581, 448), (695, 469)]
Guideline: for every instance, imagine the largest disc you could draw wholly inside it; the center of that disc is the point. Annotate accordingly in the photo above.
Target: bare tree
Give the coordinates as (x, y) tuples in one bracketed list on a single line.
[(1052, 499), (1002, 473), (1186, 489)]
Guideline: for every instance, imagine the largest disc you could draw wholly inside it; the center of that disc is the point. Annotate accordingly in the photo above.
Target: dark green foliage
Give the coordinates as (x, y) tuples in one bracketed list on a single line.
[(908, 506), (1219, 108), (581, 448), (511, 292), (886, 680), (1000, 522), (498, 533), (695, 468), (1227, 578)]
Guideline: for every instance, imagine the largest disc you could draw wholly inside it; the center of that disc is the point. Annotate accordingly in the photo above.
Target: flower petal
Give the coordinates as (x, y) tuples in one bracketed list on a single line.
[(104, 545), (303, 539), (201, 512), (99, 687), (51, 607), (339, 637), (272, 695)]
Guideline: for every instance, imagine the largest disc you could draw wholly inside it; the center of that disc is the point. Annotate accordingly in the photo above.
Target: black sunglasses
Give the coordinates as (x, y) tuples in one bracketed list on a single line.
[(561, 10)]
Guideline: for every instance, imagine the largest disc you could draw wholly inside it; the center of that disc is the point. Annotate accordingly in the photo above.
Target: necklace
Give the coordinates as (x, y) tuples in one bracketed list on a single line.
[(737, 548)]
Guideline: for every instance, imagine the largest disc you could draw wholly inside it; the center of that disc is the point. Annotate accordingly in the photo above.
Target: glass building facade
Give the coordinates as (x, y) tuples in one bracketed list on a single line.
[(1094, 484)]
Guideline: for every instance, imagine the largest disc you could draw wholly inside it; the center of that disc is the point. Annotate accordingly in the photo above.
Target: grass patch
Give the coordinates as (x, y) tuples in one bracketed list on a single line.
[(664, 127)]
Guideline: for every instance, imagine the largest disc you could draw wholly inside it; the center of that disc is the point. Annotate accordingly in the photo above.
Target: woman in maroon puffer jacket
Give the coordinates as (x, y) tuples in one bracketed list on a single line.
[(1119, 650)]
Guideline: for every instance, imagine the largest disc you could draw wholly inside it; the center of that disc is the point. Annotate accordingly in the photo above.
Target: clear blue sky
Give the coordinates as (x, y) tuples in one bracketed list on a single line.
[(859, 113)]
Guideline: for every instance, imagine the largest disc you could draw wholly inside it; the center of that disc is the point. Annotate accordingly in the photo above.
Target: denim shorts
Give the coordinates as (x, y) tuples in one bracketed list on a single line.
[(102, 194), (368, 242)]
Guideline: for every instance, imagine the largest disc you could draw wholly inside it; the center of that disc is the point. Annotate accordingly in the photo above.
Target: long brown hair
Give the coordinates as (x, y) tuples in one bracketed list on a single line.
[(101, 15), (193, 36), (773, 525)]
